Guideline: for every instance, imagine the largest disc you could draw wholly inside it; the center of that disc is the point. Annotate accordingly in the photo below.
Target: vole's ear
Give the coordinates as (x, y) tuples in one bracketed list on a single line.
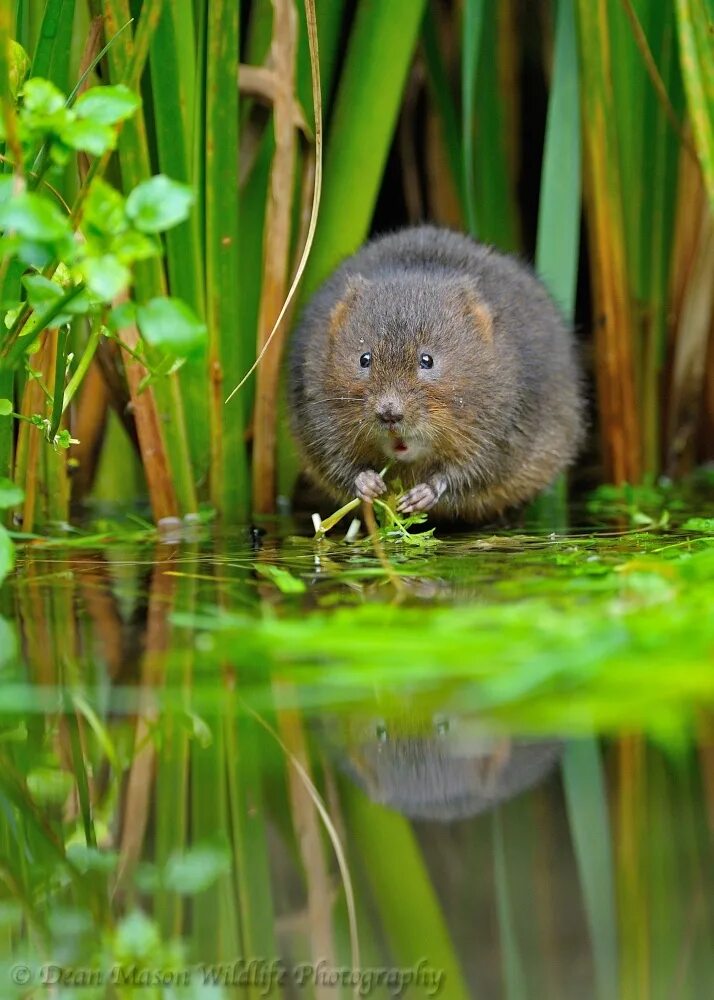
[(355, 285), (475, 309)]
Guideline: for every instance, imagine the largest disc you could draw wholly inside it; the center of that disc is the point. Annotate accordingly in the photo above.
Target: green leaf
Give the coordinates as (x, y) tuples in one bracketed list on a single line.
[(170, 324), (108, 105), (159, 204), (90, 859), (90, 137), (197, 869), (35, 217), (10, 494), (42, 97), (7, 554), (6, 408), (49, 786), (19, 66), (703, 524), (132, 245), (122, 316), (104, 209), (282, 578), (137, 937), (8, 639), (105, 276)]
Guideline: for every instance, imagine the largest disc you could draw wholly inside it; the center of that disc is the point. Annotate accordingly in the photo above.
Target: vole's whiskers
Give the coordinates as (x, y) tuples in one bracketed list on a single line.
[(333, 399)]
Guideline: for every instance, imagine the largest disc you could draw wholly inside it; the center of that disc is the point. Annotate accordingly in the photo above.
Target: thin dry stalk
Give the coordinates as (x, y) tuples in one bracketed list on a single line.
[(276, 254), (316, 194)]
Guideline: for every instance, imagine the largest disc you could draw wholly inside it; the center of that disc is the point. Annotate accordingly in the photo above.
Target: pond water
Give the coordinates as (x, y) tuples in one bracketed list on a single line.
[(249, 765)]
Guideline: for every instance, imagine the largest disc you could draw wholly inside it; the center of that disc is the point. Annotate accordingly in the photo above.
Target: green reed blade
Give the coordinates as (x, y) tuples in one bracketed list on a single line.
[(694, 28), (228, 356), (559, 206), (248, 818), (474, 14), (403, 893), (53, 50), (511, 958), (379, 54), (586, 801), (494, 125), (150, 280), (173, 89)]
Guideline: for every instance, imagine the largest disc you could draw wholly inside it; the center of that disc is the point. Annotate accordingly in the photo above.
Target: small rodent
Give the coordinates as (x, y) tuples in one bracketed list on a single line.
[(445, 355)]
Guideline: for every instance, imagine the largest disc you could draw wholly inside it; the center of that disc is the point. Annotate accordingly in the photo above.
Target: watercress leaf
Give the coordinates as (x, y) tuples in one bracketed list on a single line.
[(42, 97), (5, 410), (105, 276), (158, 204), (35, 217), (107, 105), (703, 524), (10, 493), (64, 440), (41, 292), (88, 136), (282, 578), (196, 869), (104, 209), (19, 66), (132, 245), (7, 554), (122, 316), (49, 785), (170, 324)]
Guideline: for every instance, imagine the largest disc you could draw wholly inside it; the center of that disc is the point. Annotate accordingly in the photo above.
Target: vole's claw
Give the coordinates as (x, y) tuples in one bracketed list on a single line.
[(369, 485), (420, 497)]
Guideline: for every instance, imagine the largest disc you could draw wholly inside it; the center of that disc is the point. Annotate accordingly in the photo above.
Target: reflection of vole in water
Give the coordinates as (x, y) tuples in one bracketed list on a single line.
[(445, 772), (446, 356)]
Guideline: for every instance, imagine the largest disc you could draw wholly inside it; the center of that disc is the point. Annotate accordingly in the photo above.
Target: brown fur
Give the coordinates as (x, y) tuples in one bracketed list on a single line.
[(500, 413)]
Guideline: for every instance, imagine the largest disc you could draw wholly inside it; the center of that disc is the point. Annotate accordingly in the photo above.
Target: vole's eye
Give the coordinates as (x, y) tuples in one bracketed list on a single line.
[(365, 359), (426, 361)]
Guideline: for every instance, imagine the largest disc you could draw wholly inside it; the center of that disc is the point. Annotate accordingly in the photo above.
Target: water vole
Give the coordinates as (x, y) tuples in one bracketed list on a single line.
[(446, 357)]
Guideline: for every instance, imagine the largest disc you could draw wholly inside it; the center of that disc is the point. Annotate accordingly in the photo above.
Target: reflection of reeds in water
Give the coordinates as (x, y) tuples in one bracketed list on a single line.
[(206, 825)]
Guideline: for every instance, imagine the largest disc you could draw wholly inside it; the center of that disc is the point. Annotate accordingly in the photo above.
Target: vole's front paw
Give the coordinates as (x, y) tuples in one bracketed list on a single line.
[(369, 485), (423, 496)]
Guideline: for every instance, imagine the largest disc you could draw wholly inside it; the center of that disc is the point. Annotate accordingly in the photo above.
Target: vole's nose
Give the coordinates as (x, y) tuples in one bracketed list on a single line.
[(390, 411)]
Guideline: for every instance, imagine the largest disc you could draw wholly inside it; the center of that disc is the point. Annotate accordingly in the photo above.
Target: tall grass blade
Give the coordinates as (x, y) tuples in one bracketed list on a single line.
[(694, 28), (227, 355), (173, 89), (586, 802), (559, 206), (511, 959), (614, 332), (403, 893), (378, 58), (54, 45), (474, 15)]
